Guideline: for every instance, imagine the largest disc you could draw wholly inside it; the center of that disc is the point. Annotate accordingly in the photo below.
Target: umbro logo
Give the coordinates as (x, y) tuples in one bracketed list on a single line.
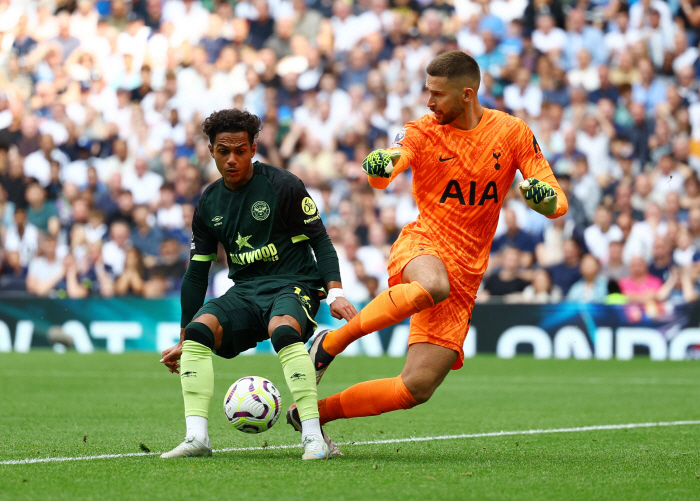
[(446, 159), (297, 376), (217, 220), (189, 374)]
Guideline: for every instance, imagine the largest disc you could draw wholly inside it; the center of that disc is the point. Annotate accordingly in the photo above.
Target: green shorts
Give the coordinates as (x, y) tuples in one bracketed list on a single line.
[(246, 309)]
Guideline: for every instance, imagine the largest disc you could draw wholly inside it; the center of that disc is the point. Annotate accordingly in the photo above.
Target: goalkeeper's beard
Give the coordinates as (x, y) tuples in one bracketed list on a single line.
[(446, 118)]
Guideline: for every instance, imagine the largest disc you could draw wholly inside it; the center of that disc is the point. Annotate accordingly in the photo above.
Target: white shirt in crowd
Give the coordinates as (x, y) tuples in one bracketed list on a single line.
[(36, 165), (529, 100), (598, 242), (145, 189), (114, 256), (170, 218), (26, 245), (554, 40)]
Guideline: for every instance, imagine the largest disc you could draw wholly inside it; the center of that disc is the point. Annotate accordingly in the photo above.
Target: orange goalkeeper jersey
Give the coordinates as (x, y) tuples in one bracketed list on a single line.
[(460, 178)]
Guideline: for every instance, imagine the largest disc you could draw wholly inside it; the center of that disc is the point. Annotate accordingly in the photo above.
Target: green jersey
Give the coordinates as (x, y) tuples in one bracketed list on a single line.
[(264, 227)]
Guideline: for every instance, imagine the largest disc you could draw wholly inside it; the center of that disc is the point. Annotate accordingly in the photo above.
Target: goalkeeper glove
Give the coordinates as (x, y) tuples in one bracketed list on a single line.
[(540, 196), (380, 163)]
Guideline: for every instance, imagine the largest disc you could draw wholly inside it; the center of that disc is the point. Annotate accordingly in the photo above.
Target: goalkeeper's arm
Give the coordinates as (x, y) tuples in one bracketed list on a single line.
[(544, 195)]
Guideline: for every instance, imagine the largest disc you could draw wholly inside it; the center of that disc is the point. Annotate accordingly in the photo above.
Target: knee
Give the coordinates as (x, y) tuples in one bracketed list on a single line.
[(438, 286), (420, 389)]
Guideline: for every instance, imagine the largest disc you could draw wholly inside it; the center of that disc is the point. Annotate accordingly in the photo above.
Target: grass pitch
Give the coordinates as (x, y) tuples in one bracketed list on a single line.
[(85, 405)]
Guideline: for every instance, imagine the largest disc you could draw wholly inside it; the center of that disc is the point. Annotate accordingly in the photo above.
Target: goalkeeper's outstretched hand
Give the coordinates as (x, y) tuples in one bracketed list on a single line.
[(380, 163), (540, 196)]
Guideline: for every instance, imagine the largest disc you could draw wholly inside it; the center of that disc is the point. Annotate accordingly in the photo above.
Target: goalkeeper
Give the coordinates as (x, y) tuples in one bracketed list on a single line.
[(464, 160), (268, 225)]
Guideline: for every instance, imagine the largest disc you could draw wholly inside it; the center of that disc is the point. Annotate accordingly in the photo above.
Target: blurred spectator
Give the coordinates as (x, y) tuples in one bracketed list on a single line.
[(650, 90), (540, 291), (679, 287), (170, 266), (593, 287), (615, 267), (114, 251), (662, 258), (169, 213), (143, 184), (22, 239), (40, 212), (685, 252), (523, 96), (37, 164), (567, 273), (45, 271), (514, 236), (130, 280), (585, 187), (599, 235), (506, 279), (144, 236), (640, 286)]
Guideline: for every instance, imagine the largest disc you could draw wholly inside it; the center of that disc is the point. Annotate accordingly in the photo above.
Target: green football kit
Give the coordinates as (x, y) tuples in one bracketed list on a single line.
[(268, 229)]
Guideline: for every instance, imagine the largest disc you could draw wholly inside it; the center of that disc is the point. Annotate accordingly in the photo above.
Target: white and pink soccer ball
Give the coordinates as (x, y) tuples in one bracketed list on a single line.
[(253, 404)]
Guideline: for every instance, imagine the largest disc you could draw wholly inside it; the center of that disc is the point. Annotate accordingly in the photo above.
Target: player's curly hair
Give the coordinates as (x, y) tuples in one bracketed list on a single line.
[(232, 120)]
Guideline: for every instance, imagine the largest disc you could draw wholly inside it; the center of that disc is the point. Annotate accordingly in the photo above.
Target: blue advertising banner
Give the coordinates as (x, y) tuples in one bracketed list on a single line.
[(564, 330)]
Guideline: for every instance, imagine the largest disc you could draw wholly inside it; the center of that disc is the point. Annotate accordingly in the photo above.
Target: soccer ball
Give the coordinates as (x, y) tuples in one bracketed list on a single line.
[(253, 404)]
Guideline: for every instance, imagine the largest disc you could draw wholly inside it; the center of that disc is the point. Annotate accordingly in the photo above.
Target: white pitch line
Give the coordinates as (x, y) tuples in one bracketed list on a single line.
[(378, 442)]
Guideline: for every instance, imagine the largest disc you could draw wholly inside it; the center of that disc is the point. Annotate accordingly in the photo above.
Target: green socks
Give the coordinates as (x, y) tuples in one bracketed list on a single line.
[(301, 379), (197, 378)]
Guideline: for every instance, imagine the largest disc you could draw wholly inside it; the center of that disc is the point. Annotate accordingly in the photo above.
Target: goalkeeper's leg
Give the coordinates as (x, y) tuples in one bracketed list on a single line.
[(426, 367), (425, 283)]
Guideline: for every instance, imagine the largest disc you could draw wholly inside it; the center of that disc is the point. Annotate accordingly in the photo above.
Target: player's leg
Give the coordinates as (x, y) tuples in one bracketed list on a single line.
[(289, 326), (426, 367), (425, 282), (202, 335), (435, 346)]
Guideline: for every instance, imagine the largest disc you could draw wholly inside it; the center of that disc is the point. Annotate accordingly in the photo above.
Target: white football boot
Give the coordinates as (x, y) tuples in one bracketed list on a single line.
[(191, 447), (315, 448), (294, 421)]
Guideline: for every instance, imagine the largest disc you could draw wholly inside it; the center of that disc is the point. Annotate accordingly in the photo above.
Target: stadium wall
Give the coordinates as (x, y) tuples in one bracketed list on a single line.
[(563, 330)]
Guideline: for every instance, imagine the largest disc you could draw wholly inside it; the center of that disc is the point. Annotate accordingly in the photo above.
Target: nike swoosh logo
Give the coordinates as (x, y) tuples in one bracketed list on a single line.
[(392, 300), (446, 159)]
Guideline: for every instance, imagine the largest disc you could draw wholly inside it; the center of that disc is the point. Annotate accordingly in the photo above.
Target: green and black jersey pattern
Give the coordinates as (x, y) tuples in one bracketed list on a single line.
[(264, 228)]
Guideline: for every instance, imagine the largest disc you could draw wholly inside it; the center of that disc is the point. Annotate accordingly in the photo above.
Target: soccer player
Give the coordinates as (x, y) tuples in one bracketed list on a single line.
[(464, 158), (268, 225)]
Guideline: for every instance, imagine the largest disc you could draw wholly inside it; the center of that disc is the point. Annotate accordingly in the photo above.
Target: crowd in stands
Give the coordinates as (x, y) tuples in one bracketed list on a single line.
[(102, 159)]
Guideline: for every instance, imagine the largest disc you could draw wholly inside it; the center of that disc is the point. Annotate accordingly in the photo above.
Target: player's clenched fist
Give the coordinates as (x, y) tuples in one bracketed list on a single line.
[(540, 196), (380, 163)]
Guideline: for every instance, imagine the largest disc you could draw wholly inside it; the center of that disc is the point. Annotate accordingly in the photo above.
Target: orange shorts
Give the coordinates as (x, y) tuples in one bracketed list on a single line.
[(447, 323)]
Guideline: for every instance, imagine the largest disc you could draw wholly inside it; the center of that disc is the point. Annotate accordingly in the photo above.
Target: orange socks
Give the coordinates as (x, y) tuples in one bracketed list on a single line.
[(370, 398), (388, 308)]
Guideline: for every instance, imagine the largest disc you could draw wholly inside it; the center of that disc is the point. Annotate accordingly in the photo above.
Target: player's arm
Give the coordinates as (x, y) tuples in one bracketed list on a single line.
[(328, 267), (304, 222), (194, 284), (382, 166), (540, 189)]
